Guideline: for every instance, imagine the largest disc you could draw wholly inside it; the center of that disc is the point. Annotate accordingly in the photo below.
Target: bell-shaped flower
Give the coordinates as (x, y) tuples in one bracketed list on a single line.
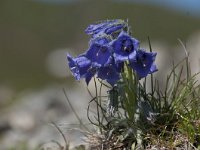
[(99, 51), (105, 27), (124, 47), (109, 73), (114, 28), (80, 67), (143, 63)]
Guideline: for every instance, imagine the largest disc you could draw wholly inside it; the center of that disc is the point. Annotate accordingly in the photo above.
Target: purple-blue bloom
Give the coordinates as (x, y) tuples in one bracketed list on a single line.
[(103, 40), (100, 51), (105, 27), (110, 47), (124, 47), (109, 73), (143, 63), (113, 28), (81, 67)]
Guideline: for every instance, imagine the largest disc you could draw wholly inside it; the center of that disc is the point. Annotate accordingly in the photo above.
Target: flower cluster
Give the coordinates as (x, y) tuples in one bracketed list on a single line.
[(110, 47)]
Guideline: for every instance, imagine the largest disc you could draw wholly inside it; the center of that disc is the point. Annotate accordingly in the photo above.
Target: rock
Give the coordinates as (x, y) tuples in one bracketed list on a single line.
[(22, 120), (52, 146), (29, 120)]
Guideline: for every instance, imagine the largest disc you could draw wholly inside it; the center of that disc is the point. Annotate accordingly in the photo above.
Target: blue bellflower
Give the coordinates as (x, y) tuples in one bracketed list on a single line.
[(109, 48), (143, 63), (109, 73), (99, 52), (106, 27), (124, 47), (113, 28), (81, 67)]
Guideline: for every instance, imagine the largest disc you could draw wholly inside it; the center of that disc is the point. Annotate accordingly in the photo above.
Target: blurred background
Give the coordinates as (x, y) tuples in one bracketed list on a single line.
[(35, 36)]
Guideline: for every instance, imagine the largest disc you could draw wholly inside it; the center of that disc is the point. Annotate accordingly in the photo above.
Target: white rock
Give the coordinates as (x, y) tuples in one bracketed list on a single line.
[(22, 121)]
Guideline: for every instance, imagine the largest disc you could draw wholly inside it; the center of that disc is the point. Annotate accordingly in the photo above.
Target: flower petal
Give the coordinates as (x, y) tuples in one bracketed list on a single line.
[(105, 27), (79, 66), (124, 47), (99, 52), (144, 63), (109, 73)]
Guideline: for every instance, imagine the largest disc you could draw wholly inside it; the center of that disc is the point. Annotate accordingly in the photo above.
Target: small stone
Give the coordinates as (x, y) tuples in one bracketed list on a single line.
[(22, 120), (52, 146)]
